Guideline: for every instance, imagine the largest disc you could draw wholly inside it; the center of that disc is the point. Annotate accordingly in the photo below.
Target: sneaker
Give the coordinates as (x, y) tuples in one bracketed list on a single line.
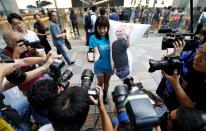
[(72, 63)]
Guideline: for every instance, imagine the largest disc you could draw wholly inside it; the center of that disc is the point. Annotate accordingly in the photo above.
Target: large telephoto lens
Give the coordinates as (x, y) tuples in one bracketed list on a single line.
[(87, 78), (158, 65)]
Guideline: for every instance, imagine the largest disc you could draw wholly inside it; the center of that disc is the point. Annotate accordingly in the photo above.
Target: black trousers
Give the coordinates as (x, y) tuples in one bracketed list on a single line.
[(75, 26), (46, 45)]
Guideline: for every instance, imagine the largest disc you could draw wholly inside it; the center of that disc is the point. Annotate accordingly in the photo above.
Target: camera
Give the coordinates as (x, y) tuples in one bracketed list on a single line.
[(4, 57), (87, 79), (35, 44), (171, 37), (134, 107), (11, 116), (55, 72), (169, 64)]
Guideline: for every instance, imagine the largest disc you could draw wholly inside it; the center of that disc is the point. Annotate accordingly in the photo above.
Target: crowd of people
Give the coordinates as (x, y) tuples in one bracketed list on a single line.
[(55, 108)]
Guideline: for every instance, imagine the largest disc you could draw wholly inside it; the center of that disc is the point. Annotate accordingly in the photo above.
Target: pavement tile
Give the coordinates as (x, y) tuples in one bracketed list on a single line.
[(143, 75), (138, 67)]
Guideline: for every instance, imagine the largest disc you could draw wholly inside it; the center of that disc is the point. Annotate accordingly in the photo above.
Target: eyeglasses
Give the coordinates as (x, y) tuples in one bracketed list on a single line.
[(202, 54)]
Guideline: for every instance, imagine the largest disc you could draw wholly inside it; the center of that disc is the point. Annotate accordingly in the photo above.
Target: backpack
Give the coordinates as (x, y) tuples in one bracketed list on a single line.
[(88, 21)]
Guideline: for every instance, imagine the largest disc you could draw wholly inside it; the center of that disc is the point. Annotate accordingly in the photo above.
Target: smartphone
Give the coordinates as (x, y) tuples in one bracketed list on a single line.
[(90, 56)]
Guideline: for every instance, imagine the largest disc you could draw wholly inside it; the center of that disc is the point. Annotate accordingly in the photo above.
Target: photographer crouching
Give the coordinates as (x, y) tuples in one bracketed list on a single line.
[(18, 48), (64, 106)]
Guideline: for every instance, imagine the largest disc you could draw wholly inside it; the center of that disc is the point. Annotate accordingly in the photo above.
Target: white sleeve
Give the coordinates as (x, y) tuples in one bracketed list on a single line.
[(93, 18), (3, 85), (199, 21), (35, 36)]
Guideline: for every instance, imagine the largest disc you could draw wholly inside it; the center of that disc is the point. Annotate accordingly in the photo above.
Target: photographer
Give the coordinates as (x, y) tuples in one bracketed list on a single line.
[(193, 92), (17, 50), (185, 119), (70, 109), (186, 61), (40, 96), (17, 24), (15, 76)]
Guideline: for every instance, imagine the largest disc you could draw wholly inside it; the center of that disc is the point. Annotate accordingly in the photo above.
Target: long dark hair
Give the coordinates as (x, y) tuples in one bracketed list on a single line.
[(102, 21)]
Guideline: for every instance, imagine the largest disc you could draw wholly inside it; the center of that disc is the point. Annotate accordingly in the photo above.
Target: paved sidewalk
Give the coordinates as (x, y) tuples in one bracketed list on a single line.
[(147, 48)]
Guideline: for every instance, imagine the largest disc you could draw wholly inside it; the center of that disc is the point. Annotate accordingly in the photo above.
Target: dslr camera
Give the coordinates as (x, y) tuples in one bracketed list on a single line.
[(87, 79), (171, 37), (55, 72), (35, 44), (169, 64), (134, 107)]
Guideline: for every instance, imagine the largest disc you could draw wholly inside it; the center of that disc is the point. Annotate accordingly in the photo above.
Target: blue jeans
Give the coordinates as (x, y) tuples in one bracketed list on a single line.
[(42, 118), (21, 105), (60, 50)]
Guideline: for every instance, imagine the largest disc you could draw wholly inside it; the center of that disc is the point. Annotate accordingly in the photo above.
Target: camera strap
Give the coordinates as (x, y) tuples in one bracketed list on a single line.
[(95, 124)]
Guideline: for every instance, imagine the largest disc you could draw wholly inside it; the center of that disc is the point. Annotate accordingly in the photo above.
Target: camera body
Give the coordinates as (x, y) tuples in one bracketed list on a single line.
[(87, 79), (55, 72), (35, 44), (4, 57), (169, 63), (135, 110), (172, 36)]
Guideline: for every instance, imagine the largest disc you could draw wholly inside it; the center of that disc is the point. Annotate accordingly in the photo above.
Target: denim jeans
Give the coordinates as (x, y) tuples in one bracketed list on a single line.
[(42, 118), (60, 50), (21, 105)]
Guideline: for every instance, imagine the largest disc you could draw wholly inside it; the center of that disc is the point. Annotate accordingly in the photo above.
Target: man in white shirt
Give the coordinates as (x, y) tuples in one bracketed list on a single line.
[(17, 24), (93, 17)]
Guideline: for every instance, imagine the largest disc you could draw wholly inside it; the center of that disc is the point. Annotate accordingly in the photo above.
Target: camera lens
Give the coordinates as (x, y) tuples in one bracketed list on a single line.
[(87, 78), (157, 65)]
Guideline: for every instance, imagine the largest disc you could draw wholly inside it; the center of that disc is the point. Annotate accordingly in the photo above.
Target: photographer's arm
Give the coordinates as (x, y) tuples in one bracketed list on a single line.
[(33, 60), (180, 93), (106, 122), (6, 68), (36, 72), (29, 76)]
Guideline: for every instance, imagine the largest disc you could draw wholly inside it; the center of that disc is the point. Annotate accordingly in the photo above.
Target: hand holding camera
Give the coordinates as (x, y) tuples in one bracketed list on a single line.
[(178, 47), (51, 56), (174, 79), (32, 50), (18, 50), (95, 101)]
